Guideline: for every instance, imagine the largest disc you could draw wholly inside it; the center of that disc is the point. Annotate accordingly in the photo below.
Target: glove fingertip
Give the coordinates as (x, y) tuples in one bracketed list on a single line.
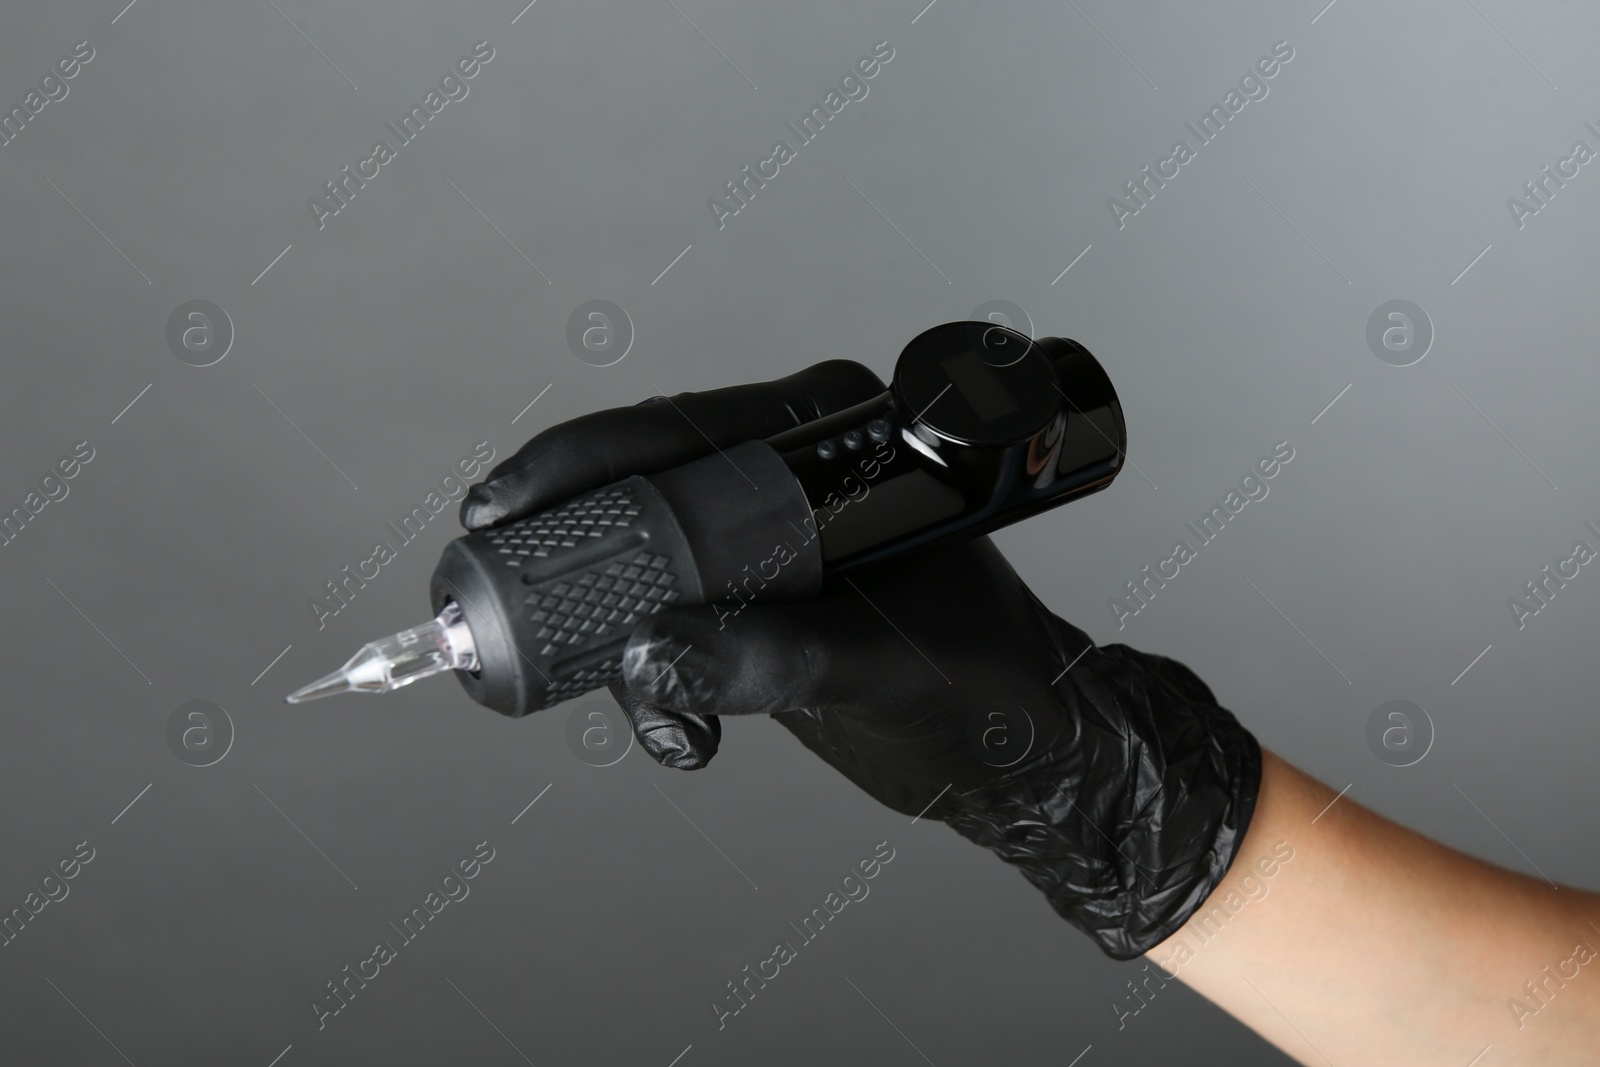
[(480, 508), (682, 740), (684, 745)]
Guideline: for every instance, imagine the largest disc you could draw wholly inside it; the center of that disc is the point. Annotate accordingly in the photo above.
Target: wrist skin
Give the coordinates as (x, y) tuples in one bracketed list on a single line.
[(1342, 937)]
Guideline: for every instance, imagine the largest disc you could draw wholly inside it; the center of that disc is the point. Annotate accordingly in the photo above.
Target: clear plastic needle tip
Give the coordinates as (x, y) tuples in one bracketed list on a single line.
[(400, 659)]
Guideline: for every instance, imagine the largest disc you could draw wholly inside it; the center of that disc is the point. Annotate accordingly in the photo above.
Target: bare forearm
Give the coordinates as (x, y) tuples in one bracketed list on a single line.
[(1352, 940)]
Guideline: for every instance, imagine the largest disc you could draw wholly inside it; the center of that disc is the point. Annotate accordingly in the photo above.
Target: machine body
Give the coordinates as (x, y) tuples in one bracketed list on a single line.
[(980, 428)]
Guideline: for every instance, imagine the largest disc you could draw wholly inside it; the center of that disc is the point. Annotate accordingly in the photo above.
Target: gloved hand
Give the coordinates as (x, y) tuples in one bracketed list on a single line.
[(935, 681)]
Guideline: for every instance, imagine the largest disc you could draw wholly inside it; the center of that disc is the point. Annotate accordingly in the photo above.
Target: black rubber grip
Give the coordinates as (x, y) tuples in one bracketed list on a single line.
[(551, 599)]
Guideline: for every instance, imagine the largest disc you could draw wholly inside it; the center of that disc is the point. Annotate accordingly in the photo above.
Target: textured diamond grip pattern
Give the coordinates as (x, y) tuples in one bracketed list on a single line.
[(601, 602), (552, 598), (567, 525), (583, 681), (568, 585)]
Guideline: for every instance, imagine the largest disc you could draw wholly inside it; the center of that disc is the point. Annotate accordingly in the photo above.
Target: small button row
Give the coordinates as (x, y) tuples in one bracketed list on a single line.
[(877, 431)]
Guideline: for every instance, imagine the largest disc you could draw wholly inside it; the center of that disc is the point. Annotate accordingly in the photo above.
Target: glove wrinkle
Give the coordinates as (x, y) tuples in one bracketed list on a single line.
[(1129, 809), (683, 741)]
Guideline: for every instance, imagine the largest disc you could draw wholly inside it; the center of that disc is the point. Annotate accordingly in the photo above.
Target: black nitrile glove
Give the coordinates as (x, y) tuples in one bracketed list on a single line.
[(936, 682)]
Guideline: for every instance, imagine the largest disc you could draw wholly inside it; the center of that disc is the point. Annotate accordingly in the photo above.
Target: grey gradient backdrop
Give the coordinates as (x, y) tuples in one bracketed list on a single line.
[(409, 329)]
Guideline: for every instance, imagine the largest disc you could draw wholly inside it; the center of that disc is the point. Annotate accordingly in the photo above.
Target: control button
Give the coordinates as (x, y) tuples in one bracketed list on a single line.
[(826, 450), (852, 440), (878, 430)]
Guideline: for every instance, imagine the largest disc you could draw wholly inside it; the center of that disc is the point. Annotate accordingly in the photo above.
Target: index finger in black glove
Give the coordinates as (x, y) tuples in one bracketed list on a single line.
[(599, 448)]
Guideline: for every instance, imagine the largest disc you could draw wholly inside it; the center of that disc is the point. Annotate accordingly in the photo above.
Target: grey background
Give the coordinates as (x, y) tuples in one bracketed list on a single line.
[(408, 329)]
